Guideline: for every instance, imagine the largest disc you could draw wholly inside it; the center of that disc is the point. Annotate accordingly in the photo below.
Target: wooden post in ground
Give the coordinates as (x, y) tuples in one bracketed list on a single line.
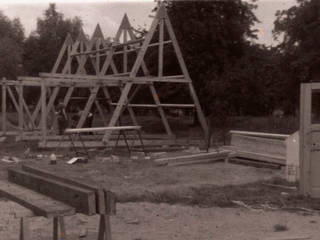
[(58, 224), (43, 111), (185, 72), (305, 135), (104, 227), (4, 107), (117, 112), (21, 117), (24, 229)]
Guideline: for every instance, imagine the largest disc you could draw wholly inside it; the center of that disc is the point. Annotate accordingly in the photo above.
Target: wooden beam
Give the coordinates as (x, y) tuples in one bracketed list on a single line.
[(101, 203), (144, 47), (39, 204), (261, 134), (25, 107), (192, 157), (161, 36), (43, 112), (99, 129), (160, 110), (20, 116), (125, 54), (85, 112), (4, 106), (68, 42), (130, 110), (81, 199), (116, 114), (166, 105)]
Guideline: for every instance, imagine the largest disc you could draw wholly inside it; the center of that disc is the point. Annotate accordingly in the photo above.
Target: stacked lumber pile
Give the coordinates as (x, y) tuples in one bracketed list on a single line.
[(264, 147), (55, 196)]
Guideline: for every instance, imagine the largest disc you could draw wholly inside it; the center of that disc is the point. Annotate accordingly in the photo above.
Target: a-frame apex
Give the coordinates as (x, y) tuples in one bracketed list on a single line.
[(97, 32), (161, 13), (68, 41), (125, 24), (82, 37)]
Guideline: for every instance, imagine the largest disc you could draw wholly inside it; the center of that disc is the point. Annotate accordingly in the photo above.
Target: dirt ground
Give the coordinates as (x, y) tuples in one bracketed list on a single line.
[(186, 202)]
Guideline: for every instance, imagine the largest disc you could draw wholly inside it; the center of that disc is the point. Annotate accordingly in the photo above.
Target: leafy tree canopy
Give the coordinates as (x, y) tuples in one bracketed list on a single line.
[(300, 28), (11, 40), (215, 36), (43, 45)]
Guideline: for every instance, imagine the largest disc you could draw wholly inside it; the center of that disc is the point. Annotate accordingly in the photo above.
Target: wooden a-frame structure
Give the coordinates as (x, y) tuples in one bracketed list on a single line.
[(94, 65)]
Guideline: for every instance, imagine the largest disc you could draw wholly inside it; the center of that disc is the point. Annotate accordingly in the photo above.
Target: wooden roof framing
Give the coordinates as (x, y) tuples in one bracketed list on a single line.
[(71, 71)]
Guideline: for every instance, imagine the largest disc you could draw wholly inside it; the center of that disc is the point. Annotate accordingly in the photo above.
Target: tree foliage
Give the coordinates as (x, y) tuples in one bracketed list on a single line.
[(300, 28), (215, 37), (42, 47), (11, 43)]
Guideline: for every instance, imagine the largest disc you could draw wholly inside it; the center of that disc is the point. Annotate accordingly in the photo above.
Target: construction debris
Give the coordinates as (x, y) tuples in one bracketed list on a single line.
[(2, 139), (193, 158), (289, 238), (77, 160), (9, 159), (280, 186)]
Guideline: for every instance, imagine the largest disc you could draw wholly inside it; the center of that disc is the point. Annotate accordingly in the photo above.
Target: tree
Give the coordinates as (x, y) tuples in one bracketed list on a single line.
[(11, 40), (42, 47), (300, 28), (214, 36)]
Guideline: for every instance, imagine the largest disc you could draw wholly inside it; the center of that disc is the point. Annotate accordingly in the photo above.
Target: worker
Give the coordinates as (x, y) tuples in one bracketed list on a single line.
[(62, 117)]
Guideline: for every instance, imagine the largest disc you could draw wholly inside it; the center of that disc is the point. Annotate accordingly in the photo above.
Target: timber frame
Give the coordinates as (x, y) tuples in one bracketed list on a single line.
[(94, 65)]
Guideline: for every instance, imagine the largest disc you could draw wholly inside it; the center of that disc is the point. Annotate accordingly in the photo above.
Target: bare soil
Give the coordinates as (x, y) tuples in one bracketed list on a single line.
[(186, 202)]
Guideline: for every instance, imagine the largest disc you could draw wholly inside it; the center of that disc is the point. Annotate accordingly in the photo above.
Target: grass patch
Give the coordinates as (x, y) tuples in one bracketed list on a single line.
[(253, 194)]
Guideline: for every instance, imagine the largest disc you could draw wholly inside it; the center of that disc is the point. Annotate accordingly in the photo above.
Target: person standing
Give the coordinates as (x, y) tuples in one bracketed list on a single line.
[(62, 117)]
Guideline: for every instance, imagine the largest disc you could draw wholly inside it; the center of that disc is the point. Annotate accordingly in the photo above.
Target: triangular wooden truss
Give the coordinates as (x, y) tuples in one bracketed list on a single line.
[(77, 59)]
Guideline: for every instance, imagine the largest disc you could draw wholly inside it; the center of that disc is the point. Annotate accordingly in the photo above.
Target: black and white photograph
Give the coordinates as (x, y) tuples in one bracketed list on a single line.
[(159, 119)]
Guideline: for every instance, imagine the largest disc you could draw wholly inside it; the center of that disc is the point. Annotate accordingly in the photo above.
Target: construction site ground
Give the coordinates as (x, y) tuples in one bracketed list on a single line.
[(206, 201)]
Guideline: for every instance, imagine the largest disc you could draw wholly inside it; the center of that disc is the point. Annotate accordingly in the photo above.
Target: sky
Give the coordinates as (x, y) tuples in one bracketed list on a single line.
[(108, 13)]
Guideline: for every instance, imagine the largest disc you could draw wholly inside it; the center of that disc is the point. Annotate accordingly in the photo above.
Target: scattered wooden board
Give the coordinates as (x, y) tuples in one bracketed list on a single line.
[(192, 158), (83, 200), (289, 238), (38, 203), (268, 158)]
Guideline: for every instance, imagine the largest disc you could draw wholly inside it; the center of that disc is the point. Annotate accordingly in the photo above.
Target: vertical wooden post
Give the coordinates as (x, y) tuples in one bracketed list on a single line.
[(160, 110), (305, 121), (185, 72), (21, 115), (24, 229), (116, 113), (63, 234), (43, 111), (55, 229), (58, 223), (125, 54), (4, 107), (98, 56), (104, 227), (161, 35)]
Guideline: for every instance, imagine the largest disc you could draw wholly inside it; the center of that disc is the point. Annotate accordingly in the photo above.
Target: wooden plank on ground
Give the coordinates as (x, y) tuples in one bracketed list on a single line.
[(40, 205), (261, 134), (81, 199), (192, 158), (100, 200), (301, 237)]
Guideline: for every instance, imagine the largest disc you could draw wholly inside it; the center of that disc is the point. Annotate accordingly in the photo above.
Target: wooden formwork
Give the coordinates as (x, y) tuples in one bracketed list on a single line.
[(93, 65)]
